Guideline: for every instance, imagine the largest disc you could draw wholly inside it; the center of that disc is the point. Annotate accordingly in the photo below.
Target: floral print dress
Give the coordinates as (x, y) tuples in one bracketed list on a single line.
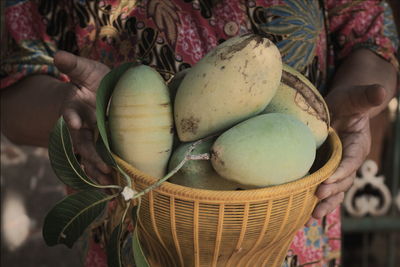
[(313, 37)]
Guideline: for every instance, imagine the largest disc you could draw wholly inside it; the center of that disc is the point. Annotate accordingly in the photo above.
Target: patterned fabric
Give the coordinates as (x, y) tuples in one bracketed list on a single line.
[(313, 36)]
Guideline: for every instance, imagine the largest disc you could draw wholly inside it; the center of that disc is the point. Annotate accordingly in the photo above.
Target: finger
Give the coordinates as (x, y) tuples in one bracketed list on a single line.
[(79, 69), (326, 190), (71, 65), (72, 119), (84, 143), (95, 174), (353, 157), (365, 97), (327, 206), (347, 167), (310, 222), (89, 117)]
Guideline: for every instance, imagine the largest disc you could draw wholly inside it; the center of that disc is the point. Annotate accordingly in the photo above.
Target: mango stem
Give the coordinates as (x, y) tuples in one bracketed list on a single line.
[(186, 158)]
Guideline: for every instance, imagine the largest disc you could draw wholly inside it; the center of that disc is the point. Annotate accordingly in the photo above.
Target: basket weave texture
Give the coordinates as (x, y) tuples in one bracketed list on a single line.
[(181, 226)]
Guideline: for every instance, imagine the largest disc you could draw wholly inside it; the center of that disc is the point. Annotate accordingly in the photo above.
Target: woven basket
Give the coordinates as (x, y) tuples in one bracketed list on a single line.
[(181, 226)]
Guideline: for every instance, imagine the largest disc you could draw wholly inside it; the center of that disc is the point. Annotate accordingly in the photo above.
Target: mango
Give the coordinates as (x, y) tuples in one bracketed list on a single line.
[(298, 97), (265, 150), (198, 173), (173, 85), (176, 81), (234, 81), (141, 120)]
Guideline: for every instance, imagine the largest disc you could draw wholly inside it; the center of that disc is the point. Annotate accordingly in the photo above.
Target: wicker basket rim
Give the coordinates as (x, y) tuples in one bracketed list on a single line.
[(250, 195)]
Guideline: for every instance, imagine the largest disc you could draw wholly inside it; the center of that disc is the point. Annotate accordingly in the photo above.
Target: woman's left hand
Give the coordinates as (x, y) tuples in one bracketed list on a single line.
[(350, 113)]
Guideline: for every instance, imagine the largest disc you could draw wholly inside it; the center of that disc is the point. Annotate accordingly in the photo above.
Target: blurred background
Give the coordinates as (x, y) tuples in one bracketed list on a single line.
[(371, 211)]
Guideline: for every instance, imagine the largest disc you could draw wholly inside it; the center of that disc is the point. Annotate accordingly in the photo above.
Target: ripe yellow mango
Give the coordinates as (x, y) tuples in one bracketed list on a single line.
[(298, 97), (268, 149), (234, 81), (141, 120), (198, 173)]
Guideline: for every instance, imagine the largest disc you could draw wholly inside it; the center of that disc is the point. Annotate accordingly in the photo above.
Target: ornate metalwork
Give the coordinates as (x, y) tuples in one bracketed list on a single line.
[(376, 201)]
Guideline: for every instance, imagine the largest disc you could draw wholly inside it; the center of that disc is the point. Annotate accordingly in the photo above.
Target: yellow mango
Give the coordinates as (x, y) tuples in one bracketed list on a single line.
[(298, 97), (234, 81), (141, 120)]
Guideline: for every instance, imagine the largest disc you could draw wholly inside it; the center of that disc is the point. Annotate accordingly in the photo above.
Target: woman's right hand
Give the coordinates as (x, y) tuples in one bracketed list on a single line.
[(79, 110)]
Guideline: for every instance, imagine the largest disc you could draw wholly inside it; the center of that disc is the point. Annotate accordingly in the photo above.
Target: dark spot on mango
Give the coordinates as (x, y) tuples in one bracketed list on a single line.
[(223, 67), (165, 151), (190, 125), (227, 53), (165, 104), (216, 157), (267, 43)]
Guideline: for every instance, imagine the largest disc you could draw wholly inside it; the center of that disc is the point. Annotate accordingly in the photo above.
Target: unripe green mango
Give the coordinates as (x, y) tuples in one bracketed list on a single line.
[(198, 173), (234, 81), (141, 120), (298, 97), (268, 149), (173, 85), (176, 81)]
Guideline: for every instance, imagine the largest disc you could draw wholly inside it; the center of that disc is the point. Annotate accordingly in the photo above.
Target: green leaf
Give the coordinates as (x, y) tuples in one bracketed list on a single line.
[(138, 254), (104, 153), (63, 160), (104, 93), (66, 221)]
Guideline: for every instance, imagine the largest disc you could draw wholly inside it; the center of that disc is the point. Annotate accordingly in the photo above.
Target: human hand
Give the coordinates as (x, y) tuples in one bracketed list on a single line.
[(79, 109), (350, 113)]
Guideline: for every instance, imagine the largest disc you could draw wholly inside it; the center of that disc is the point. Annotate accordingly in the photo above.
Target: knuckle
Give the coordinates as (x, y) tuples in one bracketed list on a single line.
[(323, 191)]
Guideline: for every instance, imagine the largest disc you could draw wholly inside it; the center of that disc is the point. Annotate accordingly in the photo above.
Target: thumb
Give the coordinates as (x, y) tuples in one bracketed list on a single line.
[(79, 69), (363, 98)]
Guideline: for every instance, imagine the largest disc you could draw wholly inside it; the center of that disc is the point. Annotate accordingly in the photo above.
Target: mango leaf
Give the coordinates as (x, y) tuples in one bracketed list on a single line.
[(138, 254), (67, 221), (63, 160), (140, 259), (104, 153)]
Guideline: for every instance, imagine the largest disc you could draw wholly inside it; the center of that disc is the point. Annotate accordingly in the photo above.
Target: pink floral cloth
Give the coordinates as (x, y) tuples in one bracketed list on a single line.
[(313, 36)]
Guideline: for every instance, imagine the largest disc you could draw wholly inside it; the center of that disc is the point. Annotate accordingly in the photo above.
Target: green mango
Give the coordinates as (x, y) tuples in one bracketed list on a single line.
[(176, 81), (265, 150)]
